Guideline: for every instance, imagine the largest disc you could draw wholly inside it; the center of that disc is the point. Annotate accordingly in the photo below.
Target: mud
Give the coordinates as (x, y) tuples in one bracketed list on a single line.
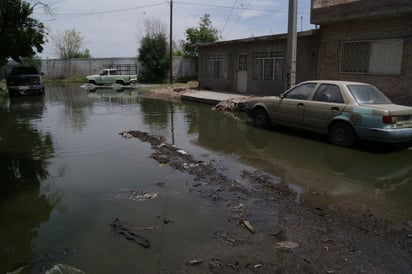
[(272, 231)]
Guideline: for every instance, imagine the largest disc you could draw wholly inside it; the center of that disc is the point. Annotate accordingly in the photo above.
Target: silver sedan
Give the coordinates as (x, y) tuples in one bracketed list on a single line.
[(345, 111)]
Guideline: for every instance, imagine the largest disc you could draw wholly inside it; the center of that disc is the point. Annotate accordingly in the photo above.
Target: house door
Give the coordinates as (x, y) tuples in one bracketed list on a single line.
[(241, 73)]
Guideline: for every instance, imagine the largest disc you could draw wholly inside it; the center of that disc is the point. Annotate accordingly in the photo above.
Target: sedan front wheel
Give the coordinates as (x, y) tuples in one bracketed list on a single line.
[(261, 119)]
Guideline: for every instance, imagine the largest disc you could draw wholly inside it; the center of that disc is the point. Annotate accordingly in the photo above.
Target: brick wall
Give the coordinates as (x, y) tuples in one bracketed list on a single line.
[(397, 87), (329, 11)]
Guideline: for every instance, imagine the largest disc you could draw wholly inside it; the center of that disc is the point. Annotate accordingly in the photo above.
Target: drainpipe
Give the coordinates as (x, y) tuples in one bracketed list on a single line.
[(291, 45)]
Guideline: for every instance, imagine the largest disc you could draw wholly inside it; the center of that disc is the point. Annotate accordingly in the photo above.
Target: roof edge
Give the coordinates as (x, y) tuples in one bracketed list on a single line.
[(280, 36)]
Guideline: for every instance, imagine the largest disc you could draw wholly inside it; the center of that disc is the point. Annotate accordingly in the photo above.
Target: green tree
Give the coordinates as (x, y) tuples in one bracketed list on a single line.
[(70, 44), (34, 61), (153, 52), (204, 33), (20, 34)]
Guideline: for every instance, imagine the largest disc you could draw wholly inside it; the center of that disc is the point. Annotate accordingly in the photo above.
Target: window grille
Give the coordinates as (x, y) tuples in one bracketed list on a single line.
[(372, 57), (268, 65), (217, 66)]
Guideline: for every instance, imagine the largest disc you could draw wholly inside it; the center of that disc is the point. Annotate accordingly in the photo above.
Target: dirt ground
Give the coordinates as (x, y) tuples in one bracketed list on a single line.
[(280, 234)]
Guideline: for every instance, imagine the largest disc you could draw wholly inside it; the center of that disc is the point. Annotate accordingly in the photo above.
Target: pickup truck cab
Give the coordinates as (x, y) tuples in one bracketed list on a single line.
[(24, 81), (111, 76)]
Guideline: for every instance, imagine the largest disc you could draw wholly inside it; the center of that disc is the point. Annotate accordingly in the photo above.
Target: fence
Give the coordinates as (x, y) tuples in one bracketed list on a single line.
[(75, 68)]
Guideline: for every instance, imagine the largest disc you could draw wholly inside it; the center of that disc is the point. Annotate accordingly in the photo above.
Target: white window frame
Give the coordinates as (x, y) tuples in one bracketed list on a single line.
[(268, 65), (216, 66)]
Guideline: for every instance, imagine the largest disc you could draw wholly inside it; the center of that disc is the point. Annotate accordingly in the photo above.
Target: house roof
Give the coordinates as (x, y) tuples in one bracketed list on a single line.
[(282, 36)]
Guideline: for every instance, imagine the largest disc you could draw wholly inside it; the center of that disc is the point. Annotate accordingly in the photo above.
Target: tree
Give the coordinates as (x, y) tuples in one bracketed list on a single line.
[(153, 52), (204, 33), (20, 34), (70, 44)]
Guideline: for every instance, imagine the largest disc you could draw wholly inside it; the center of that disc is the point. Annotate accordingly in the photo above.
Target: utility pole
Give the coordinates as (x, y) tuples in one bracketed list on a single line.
[(291, 45), (171, 43)]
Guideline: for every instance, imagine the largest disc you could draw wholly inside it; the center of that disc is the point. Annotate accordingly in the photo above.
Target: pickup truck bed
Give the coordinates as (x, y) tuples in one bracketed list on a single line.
[(24, 81)]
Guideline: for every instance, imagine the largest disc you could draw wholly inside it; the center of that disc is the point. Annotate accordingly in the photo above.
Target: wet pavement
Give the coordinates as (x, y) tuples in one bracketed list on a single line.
[(67, 176)]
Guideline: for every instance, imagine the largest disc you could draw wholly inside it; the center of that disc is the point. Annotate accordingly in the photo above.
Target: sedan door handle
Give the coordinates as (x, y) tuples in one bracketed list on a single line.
[(334, 108), (300, 105)]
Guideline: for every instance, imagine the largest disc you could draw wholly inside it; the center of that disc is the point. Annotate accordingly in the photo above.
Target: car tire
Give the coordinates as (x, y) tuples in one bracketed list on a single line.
[(92, 82), (261, 118), (342, 134), (120, 82)]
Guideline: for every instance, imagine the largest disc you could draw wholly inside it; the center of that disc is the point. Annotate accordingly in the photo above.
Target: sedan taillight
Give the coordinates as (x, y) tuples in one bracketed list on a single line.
[(389, 119)]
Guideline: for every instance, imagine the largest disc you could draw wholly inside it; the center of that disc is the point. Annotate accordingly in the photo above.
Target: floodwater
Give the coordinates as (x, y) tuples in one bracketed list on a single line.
[(64, 170)]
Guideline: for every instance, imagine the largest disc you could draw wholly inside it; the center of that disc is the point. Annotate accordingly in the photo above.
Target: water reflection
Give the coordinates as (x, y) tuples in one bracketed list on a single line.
[(67, 144), (24, 152), (313, 164)]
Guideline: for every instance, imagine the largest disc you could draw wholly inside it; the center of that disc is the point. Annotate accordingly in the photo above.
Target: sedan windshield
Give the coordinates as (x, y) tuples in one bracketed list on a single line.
[(367, 94)]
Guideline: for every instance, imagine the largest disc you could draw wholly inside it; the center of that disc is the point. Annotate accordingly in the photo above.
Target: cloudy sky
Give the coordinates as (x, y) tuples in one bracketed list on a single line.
[(113, 28)]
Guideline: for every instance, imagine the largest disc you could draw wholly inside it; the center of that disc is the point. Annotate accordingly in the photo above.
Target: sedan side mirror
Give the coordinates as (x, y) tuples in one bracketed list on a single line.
[(282, 95)]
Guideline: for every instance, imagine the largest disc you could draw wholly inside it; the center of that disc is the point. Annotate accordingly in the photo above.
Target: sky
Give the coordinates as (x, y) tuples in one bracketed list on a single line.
[(114, 28)]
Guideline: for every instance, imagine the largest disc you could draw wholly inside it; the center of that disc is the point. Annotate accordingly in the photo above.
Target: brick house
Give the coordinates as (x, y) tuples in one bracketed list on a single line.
[(255, 65), (358, 40), (366, 41)]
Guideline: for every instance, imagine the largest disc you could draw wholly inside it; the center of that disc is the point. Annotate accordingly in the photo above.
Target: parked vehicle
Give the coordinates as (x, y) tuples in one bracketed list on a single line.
[(24, 81), (111, 76), (345, 111)]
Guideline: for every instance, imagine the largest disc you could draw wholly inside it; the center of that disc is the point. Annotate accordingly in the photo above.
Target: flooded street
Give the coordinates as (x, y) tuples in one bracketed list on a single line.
[(67, 174)]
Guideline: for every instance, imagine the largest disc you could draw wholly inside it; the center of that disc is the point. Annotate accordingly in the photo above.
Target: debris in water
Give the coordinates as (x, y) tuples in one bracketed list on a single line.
[(194, 262), (55, 269), (117, 228), (181, 151), (126, 135), (286, 245), (238, 208), (249, 226), (135, 195)]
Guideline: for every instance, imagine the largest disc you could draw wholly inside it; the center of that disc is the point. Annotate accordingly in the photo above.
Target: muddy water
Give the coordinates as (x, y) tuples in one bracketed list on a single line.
[(64, 171)]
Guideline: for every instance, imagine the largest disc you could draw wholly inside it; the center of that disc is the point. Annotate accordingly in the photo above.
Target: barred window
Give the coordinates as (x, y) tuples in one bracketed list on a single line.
[(373, 57), (217, 66), (268, 65)]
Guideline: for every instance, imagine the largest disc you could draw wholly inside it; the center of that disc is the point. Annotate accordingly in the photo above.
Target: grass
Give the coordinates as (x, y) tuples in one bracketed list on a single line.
[(65, 81)]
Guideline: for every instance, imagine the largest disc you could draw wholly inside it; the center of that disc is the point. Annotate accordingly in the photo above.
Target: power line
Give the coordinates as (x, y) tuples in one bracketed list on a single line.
[(237, 20), (231, 7), (227, 18), (109, 11)]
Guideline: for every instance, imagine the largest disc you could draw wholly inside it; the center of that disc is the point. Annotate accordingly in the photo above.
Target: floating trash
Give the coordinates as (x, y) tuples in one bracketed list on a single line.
[(286, 245), (134, 195), (181, 151), (194, 262), (126, 134), (146, 196)]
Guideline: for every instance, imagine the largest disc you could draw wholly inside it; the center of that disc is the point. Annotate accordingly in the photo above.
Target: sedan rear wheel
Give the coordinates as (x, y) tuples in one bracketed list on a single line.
[(342, 134), (261, 119)]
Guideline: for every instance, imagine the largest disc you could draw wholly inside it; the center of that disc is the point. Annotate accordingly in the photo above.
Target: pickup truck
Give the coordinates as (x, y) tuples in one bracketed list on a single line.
[(24, 81), (111, 76)]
